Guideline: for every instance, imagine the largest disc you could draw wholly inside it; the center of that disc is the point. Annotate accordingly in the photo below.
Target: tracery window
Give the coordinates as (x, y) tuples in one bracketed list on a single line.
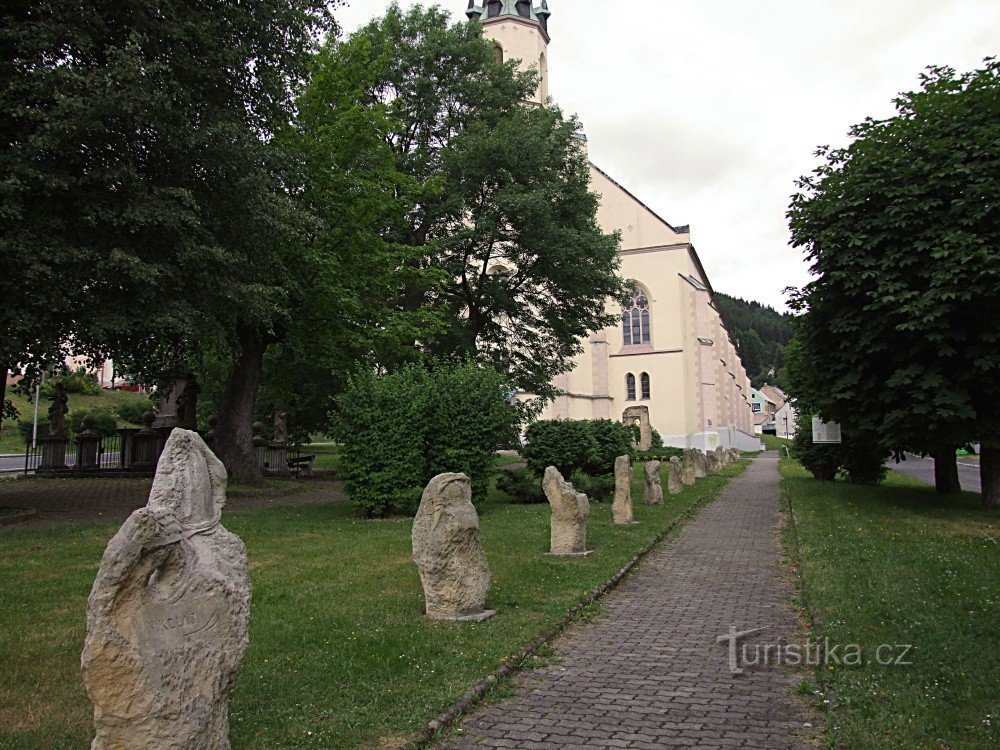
[(630, 387), (635, 320)]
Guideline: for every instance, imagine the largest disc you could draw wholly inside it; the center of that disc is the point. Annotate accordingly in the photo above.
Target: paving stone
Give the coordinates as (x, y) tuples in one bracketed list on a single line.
[(648, 671)]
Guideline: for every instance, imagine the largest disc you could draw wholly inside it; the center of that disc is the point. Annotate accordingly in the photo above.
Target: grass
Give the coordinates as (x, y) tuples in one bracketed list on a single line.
[(11, 440), (341, 655), (774, 443), (898, 564)]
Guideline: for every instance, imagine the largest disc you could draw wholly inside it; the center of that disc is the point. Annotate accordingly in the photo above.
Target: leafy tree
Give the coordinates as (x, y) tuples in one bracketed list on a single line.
[(902, 323), (144, 200), (751, 323), (494, 219)]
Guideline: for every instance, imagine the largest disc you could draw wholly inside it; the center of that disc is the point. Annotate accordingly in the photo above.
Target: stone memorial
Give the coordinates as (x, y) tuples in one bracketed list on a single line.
[(448, 552), (570, 510), (674, 484), (714, 464), (688, 476), (55, 443), (168, 614), (58, 410), (654, 488), (622, 513), (700, 464)]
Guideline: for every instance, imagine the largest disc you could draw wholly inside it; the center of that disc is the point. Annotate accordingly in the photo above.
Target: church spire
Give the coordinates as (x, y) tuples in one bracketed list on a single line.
[(532, 10)]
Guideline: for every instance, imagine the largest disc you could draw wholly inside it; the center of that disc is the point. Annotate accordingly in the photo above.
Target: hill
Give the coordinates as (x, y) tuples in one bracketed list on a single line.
[(761, 333)]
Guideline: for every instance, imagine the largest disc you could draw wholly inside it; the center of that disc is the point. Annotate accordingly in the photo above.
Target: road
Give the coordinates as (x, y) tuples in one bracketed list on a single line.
[(10, 463), (923, 469)]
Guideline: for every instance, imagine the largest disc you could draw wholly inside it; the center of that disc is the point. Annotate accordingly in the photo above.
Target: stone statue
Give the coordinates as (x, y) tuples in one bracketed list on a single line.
[(58, 411), (570, 510), (280, 426), (654, 489), (674, 484), (168, 614), (448, 552), (622, 513)]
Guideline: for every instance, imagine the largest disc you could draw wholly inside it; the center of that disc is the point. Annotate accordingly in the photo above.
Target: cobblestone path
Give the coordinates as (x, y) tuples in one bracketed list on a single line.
[(649, 671)]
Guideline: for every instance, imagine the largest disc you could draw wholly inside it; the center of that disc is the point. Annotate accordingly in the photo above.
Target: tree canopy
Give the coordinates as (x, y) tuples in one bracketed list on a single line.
[(901, 325)]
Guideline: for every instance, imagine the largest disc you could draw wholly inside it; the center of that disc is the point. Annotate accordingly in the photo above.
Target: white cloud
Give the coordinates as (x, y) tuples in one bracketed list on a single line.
[(708, 111)]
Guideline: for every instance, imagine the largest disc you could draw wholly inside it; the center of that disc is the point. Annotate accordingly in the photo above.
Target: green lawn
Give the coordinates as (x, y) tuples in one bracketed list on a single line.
[(898, 565), (11, 440), (773, 443), (341, 656)]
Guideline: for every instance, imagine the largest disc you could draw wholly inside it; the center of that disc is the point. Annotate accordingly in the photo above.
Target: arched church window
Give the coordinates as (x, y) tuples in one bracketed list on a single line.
[(630, 387), (646, 385), (498, 52), (493, 8), (635, 320)]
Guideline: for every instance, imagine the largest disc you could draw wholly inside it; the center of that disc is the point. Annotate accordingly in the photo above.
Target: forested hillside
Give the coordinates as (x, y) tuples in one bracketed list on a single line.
[(761, 333)]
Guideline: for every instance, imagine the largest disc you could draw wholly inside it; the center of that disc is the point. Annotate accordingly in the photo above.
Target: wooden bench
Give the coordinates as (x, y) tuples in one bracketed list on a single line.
[(302, 465)]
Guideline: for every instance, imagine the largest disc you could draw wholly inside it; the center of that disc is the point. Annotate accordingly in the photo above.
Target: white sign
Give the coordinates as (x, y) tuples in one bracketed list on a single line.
[(826, 433)]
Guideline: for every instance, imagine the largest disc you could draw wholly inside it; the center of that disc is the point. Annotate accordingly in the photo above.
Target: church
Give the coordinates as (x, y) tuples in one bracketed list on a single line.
[(670, 364)]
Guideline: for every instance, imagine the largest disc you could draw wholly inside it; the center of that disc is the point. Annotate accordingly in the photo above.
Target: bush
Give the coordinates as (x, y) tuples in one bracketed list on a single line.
[(74, 381), (598, 488), (107, 423), (576, 445), (133, 410), (399, 431), (521, 486), (660, 454), (859, 459)]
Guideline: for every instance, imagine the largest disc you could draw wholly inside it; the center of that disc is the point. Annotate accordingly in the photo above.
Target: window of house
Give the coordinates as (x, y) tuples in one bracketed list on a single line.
[(646, 386), (756, 408), (635, 320), (630, 387)]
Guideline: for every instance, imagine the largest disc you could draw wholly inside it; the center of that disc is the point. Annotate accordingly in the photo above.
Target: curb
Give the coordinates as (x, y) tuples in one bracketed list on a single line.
[(24, 515), (513, 666)]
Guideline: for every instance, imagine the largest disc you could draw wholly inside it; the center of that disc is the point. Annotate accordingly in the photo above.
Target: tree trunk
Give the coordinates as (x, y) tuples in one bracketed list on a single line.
[(234, 432), (989, 473), (3, 393), (946, 471)]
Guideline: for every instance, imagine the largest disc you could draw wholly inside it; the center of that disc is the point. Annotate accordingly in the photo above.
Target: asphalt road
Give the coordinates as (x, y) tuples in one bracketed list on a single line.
[(11, 463), (923, 469)]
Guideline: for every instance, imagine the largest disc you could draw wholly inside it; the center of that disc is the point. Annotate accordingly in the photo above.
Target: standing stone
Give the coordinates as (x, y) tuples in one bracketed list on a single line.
[(674, 484), (654, 489), (448, 552), (168, 615), (687, 469), (570, 510), (621, 511), (714, 464), (735, 455), (700, 464), (725, 458)]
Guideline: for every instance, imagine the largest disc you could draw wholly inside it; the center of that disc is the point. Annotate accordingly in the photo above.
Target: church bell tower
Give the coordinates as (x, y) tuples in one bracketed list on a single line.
[(519, 30)]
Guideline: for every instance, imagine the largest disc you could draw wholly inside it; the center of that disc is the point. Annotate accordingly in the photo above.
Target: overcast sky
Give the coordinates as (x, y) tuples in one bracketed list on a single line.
[(708, 110)]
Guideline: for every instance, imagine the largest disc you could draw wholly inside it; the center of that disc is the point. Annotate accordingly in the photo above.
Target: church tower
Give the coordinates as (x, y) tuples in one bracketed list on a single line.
[(519, 30)]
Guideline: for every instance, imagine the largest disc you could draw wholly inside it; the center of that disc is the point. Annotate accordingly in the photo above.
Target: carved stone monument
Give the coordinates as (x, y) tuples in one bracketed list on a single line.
[(570, 510), (654, 488), (700, 464), (622, 513), (58, 411), (187, 403), (168, 614), (639, 416), (88, 445), (687, 469), (674, 484), (448, 552), (54, 444), (166, 407)]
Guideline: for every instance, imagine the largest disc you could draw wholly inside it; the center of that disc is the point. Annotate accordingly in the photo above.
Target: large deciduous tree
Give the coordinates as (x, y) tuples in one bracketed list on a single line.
[(144, 203), (902, 227), (492, 216)]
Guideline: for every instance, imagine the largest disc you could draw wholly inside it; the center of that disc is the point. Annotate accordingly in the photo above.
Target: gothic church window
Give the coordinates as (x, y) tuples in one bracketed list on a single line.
[(630, 387), (635, 320), (498, 53), (646, 385)]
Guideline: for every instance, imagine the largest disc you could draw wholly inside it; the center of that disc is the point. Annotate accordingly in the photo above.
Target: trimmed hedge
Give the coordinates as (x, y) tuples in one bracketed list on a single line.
[(588, 446), (400, 430)]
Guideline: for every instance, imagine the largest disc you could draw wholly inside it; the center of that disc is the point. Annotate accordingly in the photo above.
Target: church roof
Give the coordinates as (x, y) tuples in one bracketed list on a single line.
[(533, 10)]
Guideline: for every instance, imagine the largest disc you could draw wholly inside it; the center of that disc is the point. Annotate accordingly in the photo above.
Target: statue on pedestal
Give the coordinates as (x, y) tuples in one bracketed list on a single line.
[(58, 411)]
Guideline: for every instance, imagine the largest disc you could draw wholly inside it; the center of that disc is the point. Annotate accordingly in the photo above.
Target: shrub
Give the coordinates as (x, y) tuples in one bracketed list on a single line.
[(576, 445), (400, 430), (598, 488), (521, 486), (660, 454), (133, 410), (656, 443), (107, 423), (859, 459), (74, 381)]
